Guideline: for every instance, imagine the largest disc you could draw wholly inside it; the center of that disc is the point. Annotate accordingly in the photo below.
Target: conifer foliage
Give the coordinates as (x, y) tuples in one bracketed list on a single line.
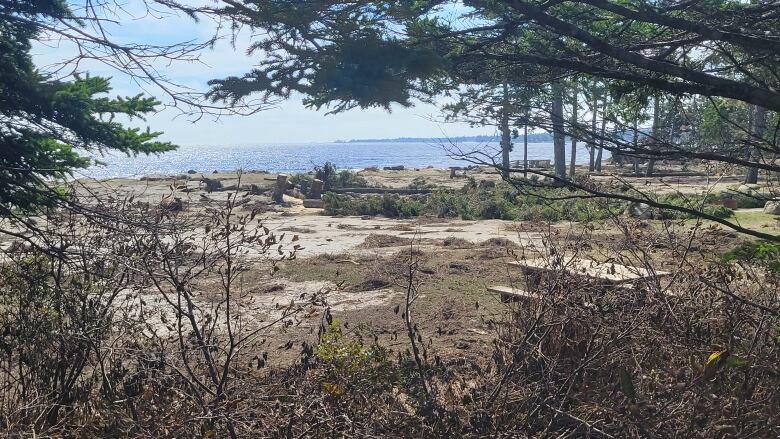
[(47, 125)]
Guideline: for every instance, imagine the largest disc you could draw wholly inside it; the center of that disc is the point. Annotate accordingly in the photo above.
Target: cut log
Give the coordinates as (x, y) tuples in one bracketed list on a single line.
[(608, 273), (509, 294)]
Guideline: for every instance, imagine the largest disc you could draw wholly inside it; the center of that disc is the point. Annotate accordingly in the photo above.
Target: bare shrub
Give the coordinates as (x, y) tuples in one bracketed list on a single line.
[(129, 321), (148, 326)]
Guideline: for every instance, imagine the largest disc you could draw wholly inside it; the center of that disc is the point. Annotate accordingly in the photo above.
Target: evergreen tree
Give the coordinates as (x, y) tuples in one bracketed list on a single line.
[(47, 125)]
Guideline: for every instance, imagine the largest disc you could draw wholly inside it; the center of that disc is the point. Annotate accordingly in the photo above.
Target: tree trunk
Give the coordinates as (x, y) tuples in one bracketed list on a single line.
[(525, 147), (635, 143), (506, 138), (592, 141), (759, 126), (574, 133), (559, 135), (656, 134), (603, 131)]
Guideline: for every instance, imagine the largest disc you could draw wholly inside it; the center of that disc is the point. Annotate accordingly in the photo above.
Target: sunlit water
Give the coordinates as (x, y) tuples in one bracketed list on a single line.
[(303, 157)]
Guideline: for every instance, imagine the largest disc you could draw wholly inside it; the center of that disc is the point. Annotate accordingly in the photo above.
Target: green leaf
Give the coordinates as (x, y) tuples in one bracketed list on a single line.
[(627, 384), (736, 361)]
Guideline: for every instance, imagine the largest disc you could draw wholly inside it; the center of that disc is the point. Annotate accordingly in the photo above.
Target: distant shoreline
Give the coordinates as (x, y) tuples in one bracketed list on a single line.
[(532, 138)]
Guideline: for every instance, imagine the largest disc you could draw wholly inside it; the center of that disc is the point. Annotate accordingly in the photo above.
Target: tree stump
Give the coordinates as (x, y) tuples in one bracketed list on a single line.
[(279, 188), (315, 191)]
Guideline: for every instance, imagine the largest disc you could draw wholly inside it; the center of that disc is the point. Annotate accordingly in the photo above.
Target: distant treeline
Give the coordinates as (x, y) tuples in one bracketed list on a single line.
[(532, 138)]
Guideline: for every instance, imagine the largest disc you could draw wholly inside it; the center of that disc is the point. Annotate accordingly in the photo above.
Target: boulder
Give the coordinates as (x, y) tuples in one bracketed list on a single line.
[(726, 202), (212, 184), (172, 205), (255, 189), (313, 204), (640, 210), (394, 168), (295, 193), (772, 207)]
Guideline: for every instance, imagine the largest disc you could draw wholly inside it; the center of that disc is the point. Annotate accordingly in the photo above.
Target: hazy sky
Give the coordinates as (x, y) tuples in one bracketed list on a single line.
[(291, 122)]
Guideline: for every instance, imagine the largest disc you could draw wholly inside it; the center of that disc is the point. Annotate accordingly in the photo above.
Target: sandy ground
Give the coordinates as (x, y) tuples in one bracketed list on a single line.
[(323, 235), (359, 263)]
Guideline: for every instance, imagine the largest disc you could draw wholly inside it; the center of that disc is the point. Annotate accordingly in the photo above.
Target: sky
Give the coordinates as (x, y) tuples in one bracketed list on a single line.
[(288, 122)]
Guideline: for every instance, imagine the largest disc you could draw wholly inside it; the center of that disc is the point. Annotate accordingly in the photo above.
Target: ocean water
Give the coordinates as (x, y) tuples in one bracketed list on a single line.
[(303, 157)]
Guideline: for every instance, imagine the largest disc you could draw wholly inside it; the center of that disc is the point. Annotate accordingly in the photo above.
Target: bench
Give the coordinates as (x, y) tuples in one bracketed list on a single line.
[(532, 164)]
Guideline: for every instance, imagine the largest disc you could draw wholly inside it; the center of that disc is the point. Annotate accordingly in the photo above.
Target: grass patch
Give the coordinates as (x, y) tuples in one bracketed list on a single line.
[(375, 240), (758, 221), (757, 252)]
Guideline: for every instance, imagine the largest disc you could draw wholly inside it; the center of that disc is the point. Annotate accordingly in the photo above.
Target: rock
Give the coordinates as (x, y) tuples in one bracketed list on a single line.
[(394, 168), (192, 171), (255, 189), (212, 185), (295, 193), (313, 203), (172, 205), (772, 207), (18, 247), (726, 202), (640, 210)]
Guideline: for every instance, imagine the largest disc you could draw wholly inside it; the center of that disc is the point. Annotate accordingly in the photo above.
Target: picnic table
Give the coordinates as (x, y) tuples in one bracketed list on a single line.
[(532, 164), (602, 274)]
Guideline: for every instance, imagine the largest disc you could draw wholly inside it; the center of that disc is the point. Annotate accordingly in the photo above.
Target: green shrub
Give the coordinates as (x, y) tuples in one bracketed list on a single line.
[(421, 183), (487, 200), (696, 202), (336, 204), (350, 367), (744, 201), (303, 181), (331, 178), (390, 206), (763, 252), (446, 203), (407, 207)]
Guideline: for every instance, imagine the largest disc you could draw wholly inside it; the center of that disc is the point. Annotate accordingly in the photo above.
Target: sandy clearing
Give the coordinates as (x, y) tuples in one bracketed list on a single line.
[(334, 235)]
